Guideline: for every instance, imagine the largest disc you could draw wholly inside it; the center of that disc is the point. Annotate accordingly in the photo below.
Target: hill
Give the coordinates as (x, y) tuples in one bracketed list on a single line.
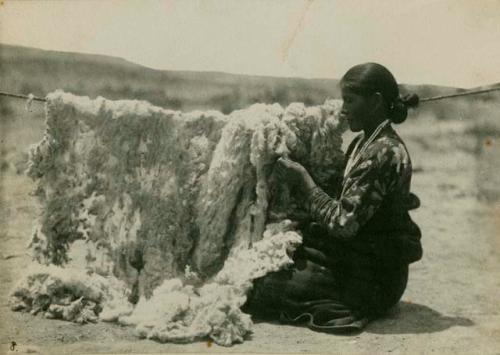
[(29, 70)]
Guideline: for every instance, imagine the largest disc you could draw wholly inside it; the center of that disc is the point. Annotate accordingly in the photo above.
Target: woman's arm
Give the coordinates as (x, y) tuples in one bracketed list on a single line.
[(365, 188)]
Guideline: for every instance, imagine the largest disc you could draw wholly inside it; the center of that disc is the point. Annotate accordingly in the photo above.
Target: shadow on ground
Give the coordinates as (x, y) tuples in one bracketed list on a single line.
[(404, 318), (414, 318)]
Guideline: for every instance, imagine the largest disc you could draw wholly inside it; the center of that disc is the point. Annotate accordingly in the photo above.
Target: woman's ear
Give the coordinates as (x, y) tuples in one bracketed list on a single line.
[(377, 101)]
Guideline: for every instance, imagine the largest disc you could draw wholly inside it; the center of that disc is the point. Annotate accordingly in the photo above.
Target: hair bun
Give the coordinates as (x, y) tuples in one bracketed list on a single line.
[(399, 111), (400, 107), (410, 100)]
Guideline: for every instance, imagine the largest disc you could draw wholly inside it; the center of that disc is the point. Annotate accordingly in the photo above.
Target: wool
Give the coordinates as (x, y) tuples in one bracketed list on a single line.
[(70, 294), (181, 312), (171, 205)]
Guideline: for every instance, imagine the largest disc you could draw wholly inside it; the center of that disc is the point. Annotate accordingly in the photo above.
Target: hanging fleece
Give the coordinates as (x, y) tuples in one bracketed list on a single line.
[(167, 203)]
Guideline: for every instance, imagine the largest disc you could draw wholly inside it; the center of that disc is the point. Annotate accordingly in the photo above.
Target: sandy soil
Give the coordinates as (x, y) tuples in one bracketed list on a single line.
[(451, 304)]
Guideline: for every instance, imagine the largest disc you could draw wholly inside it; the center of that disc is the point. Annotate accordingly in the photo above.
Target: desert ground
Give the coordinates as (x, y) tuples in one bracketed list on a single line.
[(451, 304)]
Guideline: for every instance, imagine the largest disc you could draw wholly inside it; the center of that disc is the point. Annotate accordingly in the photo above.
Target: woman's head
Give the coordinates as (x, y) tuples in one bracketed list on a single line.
[(371, 94)]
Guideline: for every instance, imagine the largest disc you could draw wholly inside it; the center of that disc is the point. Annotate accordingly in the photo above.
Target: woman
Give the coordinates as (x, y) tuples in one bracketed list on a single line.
[(353, 265)]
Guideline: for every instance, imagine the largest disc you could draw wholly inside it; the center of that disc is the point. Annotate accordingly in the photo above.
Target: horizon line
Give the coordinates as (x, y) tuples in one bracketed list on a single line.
[(225, 72)]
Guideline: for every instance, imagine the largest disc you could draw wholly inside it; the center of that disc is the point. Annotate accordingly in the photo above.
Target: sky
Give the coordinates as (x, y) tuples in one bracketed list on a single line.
[(443, 42)]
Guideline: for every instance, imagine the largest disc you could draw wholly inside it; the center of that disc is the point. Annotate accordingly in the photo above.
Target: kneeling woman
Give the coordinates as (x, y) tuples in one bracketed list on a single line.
[(353, 265)]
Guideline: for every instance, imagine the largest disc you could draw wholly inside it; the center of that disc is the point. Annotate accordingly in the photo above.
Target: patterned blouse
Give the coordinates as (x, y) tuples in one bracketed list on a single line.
[(375, 196)]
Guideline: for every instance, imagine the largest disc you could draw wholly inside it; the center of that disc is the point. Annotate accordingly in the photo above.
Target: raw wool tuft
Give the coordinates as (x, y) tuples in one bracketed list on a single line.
[(181, 312), (155, 197), (70, 294)]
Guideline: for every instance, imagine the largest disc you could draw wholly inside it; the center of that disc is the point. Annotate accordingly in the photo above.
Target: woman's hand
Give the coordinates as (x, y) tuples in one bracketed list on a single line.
[(294, 173)]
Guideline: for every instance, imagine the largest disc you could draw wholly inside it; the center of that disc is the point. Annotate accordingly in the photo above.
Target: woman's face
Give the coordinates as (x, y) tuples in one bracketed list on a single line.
[(357, 109)]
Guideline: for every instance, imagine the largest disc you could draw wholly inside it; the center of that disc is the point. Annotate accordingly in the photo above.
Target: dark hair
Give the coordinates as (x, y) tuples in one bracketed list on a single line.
[(369, 78)]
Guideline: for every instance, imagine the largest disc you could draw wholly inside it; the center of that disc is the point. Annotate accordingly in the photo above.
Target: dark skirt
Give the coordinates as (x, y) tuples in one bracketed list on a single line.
[(326, 296)]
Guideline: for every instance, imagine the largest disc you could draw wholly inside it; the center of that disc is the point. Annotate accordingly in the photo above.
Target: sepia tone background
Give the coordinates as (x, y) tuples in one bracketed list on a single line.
[(180, 55)]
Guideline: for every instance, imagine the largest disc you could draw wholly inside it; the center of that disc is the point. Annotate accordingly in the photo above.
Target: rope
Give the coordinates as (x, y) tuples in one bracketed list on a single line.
[(26, 97), (425, 99), (475, 92)]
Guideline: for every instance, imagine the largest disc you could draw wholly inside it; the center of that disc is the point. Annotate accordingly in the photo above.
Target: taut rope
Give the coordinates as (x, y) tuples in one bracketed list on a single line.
[(26, 97), (425, 99), (465, 93)]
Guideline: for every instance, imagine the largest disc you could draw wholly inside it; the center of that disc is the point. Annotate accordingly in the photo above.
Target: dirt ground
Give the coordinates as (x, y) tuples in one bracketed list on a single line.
[(451, 304)]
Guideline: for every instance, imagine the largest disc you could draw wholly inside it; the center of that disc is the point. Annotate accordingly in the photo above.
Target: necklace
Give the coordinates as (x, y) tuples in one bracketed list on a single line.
[(356, 155)]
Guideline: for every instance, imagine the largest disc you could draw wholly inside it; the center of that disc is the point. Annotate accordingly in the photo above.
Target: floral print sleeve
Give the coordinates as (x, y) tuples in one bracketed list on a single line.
[(383, 166)]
